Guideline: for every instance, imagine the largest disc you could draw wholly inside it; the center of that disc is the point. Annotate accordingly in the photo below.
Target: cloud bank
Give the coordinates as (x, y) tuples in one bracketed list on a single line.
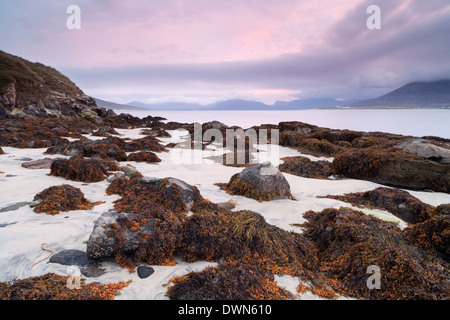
[(207, 50)]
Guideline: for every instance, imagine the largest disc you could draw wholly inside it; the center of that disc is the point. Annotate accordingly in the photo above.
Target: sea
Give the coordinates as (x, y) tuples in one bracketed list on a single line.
[(413, 122)]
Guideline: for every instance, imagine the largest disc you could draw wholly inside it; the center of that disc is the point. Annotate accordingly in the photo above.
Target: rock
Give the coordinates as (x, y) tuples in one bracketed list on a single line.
[(88, 267), (14, 206), (393, 167), (1, 151), (260, 182), (170, 187), (426, 149), (104, 237), (349, 241), (228, 205), (396, 201), (105, 131), (145, 271), (40, 164), (129, 170)]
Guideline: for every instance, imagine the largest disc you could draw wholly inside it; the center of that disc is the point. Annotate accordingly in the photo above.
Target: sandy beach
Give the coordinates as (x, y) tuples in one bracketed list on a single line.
[(24, 234)]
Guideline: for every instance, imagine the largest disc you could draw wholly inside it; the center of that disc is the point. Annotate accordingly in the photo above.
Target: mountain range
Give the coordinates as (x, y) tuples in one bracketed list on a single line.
[(240, 104), (423, 95)]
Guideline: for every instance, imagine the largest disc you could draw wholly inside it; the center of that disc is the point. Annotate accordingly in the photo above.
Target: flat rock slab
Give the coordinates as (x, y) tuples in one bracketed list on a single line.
[(88, 267), (45, 163), (14, 206)]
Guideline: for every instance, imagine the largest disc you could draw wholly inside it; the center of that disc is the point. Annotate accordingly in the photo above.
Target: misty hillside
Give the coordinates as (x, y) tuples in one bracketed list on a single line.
[(434, 94)]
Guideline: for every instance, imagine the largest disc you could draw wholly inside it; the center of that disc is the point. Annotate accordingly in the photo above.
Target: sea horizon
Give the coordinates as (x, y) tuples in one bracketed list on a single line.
[(410, 122)]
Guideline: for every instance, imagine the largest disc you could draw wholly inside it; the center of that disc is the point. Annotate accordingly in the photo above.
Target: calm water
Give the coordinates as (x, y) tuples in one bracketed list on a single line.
[(407, 122)]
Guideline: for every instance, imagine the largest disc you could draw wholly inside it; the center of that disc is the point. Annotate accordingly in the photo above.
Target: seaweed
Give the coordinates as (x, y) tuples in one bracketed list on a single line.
[(79, 169), (55, 287), (227, 282), (348, 242), (143, 156), (61, 198), (396, 201)]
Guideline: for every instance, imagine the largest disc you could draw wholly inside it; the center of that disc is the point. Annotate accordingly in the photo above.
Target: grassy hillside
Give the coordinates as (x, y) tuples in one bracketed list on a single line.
[(29, 75)]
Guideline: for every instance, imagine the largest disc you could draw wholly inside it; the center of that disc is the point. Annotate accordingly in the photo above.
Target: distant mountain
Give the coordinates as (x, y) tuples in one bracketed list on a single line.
[(434, 94), (167, 106), (239, 104), (304, 104), (114, 106)]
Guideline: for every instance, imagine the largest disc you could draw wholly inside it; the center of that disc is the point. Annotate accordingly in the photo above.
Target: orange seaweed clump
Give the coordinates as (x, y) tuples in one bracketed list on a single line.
[(349, 241), (227, 282), (79, 169), (61, 198), (55, 287)]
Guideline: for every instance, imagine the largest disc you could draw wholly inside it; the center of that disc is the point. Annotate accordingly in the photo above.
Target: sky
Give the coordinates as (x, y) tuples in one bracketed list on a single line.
[(203, 51)]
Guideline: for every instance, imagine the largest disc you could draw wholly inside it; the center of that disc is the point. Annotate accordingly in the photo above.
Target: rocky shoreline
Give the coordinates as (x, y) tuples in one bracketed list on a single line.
[(162, 221)]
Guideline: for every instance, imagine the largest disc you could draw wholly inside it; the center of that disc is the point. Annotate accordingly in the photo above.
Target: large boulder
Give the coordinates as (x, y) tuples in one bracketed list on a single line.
[(393, 167), (261, 182), (130, 237), (426, 149), (104, 237)]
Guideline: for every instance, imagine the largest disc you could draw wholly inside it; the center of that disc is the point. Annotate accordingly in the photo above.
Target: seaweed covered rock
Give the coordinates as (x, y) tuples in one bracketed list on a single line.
[(393, 167), (105, 131), (79, 169), (246, 237), (443, 209), (349, 242), (260, 182), (396, 201), (304, 167), (143, 156), (61, 198), (227, 282), (54, 287), (154, 197), (432, 235), (133, 237), (103, 149)]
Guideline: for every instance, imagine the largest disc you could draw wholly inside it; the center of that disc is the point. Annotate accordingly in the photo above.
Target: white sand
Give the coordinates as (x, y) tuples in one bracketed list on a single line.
[(25, 231)]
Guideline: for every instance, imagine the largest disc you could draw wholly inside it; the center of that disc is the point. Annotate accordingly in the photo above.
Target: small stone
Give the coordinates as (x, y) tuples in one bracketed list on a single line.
[(145, 271)]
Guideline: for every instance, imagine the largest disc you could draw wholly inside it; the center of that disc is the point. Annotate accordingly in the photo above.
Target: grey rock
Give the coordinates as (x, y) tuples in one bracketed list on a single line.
[(266, 179), (88, 267), (45, 163), (187, 192), (14, 206), (145, 271), (426, 149), (101, 243)]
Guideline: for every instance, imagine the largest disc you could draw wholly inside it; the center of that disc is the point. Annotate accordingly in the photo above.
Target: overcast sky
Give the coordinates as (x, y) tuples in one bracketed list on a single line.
[(208, 50)]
